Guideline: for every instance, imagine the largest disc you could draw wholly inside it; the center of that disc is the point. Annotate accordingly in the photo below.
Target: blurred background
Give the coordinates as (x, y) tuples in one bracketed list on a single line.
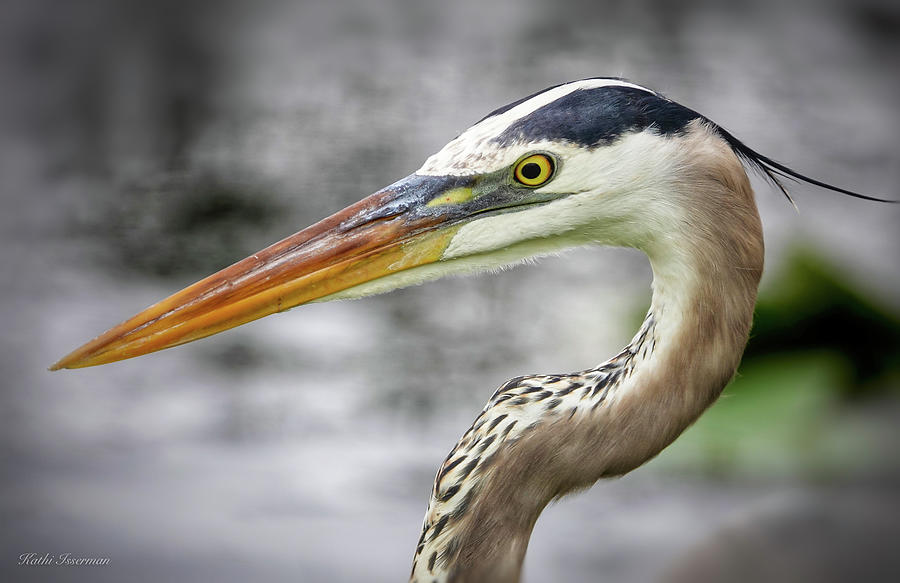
[(145, 145)]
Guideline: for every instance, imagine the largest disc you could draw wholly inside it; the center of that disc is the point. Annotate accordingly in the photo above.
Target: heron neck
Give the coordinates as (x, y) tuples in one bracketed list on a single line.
[(541, 437)]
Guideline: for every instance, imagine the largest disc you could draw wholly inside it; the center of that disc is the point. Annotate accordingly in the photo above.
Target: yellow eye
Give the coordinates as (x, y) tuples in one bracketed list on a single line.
[(534, 170)]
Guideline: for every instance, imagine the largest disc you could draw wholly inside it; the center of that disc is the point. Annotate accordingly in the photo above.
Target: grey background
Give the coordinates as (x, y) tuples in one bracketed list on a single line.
[(302, 447)]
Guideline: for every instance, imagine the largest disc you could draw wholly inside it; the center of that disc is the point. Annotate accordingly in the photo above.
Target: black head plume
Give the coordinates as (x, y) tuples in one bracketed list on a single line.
[(776, 171)]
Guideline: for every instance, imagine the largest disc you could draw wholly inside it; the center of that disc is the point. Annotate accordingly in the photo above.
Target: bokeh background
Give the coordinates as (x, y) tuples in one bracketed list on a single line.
[(146, 144)]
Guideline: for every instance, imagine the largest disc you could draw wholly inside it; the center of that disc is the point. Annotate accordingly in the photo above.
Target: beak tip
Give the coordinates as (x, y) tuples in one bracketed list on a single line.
[(58, 365), (69, 361)]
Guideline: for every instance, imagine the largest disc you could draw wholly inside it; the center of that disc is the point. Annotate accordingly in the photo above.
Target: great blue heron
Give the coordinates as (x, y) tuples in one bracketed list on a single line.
[(597, 161)]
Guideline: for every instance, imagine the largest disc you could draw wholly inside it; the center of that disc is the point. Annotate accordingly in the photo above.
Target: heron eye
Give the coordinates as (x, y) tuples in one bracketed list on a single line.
[(534, 170)]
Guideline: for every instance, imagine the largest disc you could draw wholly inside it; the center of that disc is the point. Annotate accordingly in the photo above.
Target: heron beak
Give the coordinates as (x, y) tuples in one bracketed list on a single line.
[(407, 224)]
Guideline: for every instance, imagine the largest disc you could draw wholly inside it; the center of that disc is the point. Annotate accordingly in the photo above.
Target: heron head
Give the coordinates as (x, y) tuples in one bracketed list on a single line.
[(577, 163)]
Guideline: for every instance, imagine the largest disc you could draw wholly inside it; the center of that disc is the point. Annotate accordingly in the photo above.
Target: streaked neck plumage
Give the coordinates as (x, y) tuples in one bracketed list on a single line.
[(541, 437)]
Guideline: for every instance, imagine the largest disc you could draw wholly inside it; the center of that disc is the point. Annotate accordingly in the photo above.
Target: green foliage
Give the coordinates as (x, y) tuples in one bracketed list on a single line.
[(812, 308)]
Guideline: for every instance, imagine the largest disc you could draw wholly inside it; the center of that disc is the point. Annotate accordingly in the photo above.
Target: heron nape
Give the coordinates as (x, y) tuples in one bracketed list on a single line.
[(593, 162)]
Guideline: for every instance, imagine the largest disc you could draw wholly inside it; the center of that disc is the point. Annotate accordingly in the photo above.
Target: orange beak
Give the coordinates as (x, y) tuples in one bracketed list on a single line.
[(405, 225)]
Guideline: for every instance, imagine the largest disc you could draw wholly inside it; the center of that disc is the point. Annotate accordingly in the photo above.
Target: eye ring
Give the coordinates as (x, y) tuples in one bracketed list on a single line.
[(534, 170)]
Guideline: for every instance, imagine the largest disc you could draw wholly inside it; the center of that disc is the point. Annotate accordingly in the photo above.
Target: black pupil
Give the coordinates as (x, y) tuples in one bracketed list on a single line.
[(531, 171)]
